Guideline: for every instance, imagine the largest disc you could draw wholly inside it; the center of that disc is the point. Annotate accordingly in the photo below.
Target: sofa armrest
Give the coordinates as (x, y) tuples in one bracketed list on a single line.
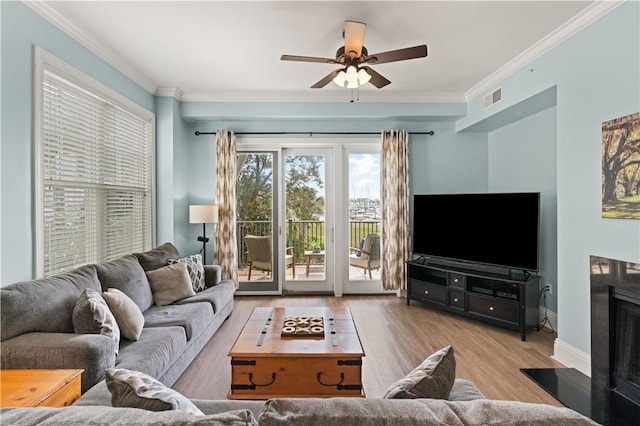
[(91, 352), (212, 275)]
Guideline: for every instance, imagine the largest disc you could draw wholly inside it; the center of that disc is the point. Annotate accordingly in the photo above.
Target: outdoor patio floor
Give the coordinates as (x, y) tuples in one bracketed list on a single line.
[(316, 272)]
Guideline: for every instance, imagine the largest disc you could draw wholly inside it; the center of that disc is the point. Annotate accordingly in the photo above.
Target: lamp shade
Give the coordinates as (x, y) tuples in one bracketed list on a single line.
[(203, 214)]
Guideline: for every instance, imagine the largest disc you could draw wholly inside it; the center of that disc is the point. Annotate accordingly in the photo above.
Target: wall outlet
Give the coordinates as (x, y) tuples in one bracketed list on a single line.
[(548, 289)]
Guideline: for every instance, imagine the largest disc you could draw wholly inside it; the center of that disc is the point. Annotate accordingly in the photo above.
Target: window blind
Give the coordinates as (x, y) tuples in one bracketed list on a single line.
[(96, 177)]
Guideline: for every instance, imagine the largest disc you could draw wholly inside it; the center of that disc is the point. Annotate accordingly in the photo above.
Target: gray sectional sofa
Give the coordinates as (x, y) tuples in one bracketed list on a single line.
[(309, 412), (37, 330)]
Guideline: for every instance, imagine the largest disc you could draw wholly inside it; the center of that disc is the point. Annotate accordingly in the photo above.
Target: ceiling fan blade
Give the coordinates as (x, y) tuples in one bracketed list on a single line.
[(326, 80), (398, 55), (353, 38), (308, 59), (376, 78)]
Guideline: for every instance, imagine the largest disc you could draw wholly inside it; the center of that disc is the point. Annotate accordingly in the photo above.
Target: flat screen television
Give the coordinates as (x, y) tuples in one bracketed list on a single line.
[(497, 229)]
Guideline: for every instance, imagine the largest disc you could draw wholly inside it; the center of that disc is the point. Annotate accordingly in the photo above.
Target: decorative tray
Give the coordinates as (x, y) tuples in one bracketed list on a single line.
[(303, 327)]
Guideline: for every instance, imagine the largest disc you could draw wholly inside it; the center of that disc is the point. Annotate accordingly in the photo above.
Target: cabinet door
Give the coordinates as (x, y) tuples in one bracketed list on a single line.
[(456, 280), (456, 299), (493, 308), (421, 290)]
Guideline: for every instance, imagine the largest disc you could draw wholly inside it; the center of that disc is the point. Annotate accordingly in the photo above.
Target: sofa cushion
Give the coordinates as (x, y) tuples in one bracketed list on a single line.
[(433, 378), (170, 283), (128, 315), (418, 412), (157, 257), (44, 305), (497, 412), (217, 296), (108, 416), (91, 314), (134, 389), (155, 352), (126, 274), (355, 411), (193, 317), (195, 269)]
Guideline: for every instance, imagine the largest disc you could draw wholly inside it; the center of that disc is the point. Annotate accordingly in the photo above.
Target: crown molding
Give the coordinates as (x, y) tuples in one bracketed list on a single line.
[(585, 18), (49, 12), (171, 92)]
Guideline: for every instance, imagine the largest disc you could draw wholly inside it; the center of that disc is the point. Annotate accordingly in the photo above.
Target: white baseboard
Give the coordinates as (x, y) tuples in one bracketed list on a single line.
[(572, 357)]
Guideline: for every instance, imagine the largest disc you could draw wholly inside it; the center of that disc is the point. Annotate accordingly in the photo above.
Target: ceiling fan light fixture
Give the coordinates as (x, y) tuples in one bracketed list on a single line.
[(363, 76), (351, 72), (340, 79), (352, 77)]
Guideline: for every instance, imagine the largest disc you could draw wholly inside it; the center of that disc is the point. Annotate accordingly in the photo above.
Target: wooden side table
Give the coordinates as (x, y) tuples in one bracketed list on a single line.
[(34, 388), (308, 254)]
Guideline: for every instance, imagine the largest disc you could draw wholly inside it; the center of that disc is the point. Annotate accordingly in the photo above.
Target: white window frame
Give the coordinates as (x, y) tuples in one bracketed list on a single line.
[(45, 61)]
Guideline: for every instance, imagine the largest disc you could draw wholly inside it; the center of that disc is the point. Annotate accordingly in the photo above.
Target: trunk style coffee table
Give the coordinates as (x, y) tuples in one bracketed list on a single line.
[(297, 352)]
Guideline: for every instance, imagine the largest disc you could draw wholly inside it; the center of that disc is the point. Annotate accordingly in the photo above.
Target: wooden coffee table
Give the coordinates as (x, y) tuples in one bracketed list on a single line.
[(265, 364)]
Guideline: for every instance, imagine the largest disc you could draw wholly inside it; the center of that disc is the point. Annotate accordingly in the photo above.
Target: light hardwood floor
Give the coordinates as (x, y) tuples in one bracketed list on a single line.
[(395, 338)]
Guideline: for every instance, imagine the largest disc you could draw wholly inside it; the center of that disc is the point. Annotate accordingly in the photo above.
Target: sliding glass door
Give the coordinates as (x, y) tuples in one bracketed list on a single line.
[(308, 217), (361, 194), (256, 198)]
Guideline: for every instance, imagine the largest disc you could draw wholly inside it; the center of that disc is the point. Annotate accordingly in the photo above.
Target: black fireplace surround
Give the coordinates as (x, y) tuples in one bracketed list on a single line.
[(611, 396), (615, 341)]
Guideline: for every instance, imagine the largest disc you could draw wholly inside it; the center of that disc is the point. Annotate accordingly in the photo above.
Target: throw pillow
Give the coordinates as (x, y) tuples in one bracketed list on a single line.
[(91, 314), (195, 269), (433, 378), (170, 283), (128, 315), (126, 274), (138, 390), (157, 257)]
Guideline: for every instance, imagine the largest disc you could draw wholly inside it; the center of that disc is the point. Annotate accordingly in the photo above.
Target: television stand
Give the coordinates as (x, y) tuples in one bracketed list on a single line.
[(493, 298)]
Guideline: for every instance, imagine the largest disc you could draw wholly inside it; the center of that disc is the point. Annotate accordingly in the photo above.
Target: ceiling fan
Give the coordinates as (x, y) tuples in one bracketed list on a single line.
[(354, 58)]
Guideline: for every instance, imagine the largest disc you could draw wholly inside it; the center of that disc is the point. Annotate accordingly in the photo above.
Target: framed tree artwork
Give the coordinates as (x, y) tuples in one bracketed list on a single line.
[(621, 167)]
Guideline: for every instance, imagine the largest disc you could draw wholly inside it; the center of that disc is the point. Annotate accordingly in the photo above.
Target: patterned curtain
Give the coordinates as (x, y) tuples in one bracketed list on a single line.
[(225, 230), (396, 241)]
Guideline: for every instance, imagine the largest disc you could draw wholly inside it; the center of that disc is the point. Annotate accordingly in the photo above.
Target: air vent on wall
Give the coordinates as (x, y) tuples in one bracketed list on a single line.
[(493, 98)]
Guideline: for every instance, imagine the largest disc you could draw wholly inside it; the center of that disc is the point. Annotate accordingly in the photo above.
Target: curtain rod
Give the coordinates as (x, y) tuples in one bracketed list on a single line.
[(198, 133)]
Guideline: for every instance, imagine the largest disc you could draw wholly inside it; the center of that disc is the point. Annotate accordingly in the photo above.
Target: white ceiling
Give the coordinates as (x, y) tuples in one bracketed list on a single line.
[(226, 51)]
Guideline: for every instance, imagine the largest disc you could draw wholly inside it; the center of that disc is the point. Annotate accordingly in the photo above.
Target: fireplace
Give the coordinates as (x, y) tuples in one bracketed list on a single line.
[(615, 341), (612, 395)]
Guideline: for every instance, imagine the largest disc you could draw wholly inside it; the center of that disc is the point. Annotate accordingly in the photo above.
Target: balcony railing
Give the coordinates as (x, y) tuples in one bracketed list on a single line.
[(300, 234)]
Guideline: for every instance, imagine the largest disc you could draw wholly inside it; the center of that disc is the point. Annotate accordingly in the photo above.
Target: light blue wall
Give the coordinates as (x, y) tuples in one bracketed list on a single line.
[(165, 159), (448, 161), (20, 29), (522, 158), (445, 162), (201, 178), (181, 180), (597, 75), (175, 162)]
